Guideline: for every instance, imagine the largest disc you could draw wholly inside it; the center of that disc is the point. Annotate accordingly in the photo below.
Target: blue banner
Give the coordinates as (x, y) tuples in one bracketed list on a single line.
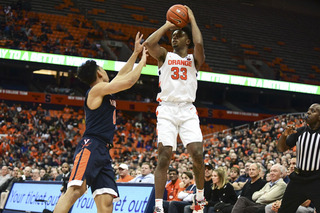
[(37, 196)]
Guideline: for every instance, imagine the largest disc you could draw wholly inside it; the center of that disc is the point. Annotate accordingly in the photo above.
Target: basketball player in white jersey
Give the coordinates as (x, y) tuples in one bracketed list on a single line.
[(176, 113)]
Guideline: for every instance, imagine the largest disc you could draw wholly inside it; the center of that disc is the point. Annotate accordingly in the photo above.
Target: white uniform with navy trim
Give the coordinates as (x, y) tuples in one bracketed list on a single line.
[(176, 113)]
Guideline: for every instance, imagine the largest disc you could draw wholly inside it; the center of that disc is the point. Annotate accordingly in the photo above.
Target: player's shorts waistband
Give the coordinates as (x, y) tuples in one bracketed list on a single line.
[(104, 141), (306, 173), (171, 103)]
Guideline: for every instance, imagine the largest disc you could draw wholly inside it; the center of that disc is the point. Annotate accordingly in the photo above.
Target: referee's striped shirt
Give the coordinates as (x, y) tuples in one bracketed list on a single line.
[(308, 148)]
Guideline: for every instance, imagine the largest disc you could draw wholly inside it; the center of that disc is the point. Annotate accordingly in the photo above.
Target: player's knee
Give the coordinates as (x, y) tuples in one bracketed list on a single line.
[(197, 156), (75, 192), (163, 161)]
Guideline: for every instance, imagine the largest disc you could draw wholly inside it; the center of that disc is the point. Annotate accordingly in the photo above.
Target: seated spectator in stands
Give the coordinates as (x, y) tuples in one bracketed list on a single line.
[(239, 183), (207, 185), (285, 175), (146, 175), (223, 195), (44, 175), (54, 174), (293, 162), (233, 159), (186, 193), (255, 183), (5, 175), (36, 175), (208, 168), (233, 174), (6, 187), (303, 208), (124, 174), (27, 173), (172, 188), (271, 192)]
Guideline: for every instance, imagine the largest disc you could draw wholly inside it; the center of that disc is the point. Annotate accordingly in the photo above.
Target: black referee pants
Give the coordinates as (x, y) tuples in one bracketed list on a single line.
[(299, 191)]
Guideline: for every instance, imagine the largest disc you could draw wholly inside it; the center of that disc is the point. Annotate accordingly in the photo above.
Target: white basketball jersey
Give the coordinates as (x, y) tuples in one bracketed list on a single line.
[(177, 79)]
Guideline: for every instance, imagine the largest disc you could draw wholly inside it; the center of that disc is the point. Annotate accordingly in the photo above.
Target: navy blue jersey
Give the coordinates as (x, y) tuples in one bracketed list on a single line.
[(100, 122)]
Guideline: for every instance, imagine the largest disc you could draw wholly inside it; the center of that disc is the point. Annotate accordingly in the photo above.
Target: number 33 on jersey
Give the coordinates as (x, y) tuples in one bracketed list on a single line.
[(177, 79)]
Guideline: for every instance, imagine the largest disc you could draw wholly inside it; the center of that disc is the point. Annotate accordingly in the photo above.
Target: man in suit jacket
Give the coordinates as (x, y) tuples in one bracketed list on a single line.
[(64, 177)]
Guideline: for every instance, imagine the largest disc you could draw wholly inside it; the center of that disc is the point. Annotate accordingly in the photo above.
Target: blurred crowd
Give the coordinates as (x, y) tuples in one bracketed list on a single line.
[(34, 144)]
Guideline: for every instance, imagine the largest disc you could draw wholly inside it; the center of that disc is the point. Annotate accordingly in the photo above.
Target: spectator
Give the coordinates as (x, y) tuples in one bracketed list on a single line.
[(285, 176), (54, 174), (223, 195), (207, 180), (303, 208), (186, 193), (146, 175), (173, 187), (27, 175), (36, 175), (239, 183), (207, 185), (255, 183), (233, 160), (5, 175), (6, 187), (44, 175), (271, 192), (293, 163), (124, 173), (234, 174)]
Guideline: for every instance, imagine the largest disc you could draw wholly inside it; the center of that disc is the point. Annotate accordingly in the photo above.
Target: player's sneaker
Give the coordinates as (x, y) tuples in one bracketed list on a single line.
[(198, 205), (158, 210)]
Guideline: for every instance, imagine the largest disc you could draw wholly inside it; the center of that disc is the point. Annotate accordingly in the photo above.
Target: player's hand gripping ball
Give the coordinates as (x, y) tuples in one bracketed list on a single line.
[(178, 15)]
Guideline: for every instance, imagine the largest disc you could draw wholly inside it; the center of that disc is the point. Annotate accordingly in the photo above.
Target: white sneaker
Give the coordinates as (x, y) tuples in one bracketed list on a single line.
[(199, 205), (158, 210)]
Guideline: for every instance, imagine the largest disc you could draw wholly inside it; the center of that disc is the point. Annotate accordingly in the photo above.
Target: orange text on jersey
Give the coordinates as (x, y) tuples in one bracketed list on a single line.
[(180, 62)]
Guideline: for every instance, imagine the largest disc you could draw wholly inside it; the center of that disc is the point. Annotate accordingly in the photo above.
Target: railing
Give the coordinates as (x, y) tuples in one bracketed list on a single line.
[(246, 126)]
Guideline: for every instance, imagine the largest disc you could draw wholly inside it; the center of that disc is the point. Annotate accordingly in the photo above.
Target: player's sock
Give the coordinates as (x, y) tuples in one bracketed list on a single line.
[(199, 194), (159, 203)]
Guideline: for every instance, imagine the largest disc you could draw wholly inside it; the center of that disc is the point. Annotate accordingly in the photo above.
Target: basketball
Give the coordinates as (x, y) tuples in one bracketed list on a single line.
[(178, 15)]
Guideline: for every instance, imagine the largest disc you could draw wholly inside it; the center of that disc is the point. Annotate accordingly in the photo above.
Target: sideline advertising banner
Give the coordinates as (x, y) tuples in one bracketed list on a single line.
[(23, 196), (37, 196), (135, 198)]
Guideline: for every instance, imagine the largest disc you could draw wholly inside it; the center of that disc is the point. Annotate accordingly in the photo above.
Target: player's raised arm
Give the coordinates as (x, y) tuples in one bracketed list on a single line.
[(138, 47), (126, 81), (197, 40), (152, 43)]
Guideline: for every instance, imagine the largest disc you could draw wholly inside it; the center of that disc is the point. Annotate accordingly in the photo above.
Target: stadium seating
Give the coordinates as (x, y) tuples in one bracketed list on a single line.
[(232, 32)]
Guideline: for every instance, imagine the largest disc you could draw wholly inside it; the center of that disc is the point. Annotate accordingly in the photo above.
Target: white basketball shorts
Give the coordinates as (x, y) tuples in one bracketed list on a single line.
[(177, 118)]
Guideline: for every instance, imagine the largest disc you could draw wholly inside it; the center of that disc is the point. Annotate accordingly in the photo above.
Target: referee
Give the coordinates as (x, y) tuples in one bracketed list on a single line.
[(305, 180)]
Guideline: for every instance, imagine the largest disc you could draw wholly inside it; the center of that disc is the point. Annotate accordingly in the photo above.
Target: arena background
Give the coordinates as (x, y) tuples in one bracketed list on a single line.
[(278, 40)]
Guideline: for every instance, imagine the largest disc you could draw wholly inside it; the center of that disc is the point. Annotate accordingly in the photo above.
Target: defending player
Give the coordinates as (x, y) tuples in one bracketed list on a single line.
[(92, 164), (176, 113)]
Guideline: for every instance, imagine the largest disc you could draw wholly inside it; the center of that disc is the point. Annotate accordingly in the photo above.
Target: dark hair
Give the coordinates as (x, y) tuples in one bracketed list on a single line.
[(188, 32), (189, 174), (87, 72), (171, 169), (235, 169)]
